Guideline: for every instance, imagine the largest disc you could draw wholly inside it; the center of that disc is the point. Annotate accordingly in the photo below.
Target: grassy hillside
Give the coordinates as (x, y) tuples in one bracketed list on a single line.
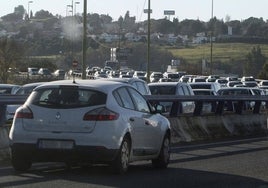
[(223, 52)]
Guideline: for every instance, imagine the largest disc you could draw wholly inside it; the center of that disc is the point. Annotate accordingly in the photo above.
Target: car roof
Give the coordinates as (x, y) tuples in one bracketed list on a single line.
[(204, 91), (33, 84), (167, 83), (8, 85), (208, 90), (202, 83), (235, 88), (101, 85), (122, 80)]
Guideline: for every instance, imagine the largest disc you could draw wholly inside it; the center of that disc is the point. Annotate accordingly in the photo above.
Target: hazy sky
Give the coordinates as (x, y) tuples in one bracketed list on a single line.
[(190, 9)]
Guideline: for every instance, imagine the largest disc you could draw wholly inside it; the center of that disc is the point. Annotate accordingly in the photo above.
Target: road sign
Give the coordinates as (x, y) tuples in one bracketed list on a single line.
[(146, 11), (169, 12), (75, 63)]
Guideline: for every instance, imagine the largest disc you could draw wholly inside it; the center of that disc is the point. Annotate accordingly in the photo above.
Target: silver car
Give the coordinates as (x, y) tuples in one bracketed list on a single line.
[(88, 121), (174, 88), (137, 83), (23, 90)]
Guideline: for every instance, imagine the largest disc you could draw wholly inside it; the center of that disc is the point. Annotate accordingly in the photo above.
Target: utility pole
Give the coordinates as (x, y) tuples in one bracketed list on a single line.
[(84, 47), (211, 42), (148, 41)]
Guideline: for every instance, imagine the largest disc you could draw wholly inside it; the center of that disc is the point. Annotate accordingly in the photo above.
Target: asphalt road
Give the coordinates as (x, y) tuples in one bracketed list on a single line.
[(224, 164)]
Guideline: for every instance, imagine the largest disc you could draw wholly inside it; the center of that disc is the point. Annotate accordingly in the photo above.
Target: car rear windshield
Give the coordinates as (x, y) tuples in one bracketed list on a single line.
[(173, 76), (200, 86), (234, 92), (163, 90), (67, 97)]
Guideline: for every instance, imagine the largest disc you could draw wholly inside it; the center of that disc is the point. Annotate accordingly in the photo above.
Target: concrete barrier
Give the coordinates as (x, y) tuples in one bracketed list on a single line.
[(191, 128), (200, 128), (4, 143)]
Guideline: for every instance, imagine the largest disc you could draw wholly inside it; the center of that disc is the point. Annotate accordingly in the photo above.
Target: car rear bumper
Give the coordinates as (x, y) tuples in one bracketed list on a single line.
[(90, 154)]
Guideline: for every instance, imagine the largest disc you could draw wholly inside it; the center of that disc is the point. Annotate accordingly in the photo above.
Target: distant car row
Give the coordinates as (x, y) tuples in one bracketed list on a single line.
[(156, 88), (33, 71), (177, 77), (201, 88)]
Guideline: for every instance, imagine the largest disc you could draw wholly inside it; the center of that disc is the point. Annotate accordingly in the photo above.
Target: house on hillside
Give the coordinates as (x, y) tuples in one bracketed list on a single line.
[(109, 37), (200, 38), (3, 33), (171, 38), (184, 38), (132, 37)]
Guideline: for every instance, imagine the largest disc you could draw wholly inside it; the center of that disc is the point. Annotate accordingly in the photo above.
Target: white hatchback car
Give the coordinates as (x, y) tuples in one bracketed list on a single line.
[(88, 121)]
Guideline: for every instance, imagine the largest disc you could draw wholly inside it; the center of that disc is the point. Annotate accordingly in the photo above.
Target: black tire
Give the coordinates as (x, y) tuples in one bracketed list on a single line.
[(121, 163), (162, 160), (19, 162)]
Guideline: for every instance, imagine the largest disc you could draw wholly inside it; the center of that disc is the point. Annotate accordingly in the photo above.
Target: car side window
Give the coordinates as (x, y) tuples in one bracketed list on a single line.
[(180, 91), (186, 90), (123, 98), (140, 102), (140, 87)]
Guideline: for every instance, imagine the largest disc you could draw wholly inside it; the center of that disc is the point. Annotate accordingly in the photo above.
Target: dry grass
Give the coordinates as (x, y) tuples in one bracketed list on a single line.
[(223, 52)]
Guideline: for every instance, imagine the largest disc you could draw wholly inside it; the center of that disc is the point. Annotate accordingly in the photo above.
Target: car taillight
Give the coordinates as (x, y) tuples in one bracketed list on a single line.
[(24, 113), (100, 114)]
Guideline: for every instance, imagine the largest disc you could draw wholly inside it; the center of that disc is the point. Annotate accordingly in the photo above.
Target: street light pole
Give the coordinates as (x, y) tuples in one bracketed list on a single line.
[(76, 3), (72, 7), (29, 9)]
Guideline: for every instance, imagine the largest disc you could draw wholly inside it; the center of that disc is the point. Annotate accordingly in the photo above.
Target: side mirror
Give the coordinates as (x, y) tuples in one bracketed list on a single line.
[(160, 108)]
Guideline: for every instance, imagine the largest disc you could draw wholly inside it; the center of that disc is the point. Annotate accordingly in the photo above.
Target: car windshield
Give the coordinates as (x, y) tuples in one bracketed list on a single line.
[(172, 76), (67, 97), (141, 73), (158, 75)]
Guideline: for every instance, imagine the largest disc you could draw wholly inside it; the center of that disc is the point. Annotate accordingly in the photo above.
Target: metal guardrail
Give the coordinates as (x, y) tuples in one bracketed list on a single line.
[(6, 100), (12, 99), (220, 102)]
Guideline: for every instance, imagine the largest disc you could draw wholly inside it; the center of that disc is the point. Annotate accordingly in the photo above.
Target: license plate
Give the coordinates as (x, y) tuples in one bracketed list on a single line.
[(56, 144)]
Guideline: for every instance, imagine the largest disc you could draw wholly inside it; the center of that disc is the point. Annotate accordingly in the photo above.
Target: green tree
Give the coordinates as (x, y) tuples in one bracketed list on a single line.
[(236, 27), (42, 14), (164, 26), (264, 72), (19, 10), (255, 62), (128, 23), (106, 19), (253, 26), (10, 54), (191, 27), (95, 22)]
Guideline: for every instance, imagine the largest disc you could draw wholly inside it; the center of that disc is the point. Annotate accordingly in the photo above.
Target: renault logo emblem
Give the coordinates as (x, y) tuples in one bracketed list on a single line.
[(58, 115)]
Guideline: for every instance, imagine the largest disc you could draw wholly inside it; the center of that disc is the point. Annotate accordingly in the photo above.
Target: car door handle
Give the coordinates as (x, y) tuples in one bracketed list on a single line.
[(131, 119), (147, 123)]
